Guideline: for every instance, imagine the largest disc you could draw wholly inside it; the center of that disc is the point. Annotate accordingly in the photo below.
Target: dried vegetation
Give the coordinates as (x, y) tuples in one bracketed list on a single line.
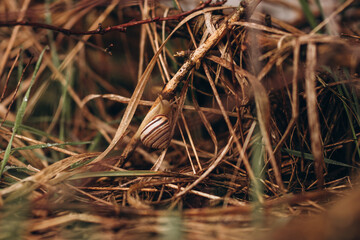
[(265, 120)]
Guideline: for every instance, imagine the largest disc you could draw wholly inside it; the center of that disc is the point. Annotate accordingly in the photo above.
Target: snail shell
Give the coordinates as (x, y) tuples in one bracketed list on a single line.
[(156, 134)]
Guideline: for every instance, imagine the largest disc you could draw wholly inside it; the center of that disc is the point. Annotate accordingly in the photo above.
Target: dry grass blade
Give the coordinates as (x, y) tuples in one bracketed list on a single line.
[(262, 106), (22, 188), (295, 99), (38, 225), (126, 100), (186, 149), (205, 122), (312, 111), (8, 75), (216, 162), (191, 141), (243, 156)]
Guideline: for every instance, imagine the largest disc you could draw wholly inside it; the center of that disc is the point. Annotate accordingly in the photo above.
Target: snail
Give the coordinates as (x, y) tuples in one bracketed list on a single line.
[(156, 133)]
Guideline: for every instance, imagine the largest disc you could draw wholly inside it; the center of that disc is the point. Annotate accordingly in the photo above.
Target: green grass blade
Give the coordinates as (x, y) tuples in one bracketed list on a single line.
[(29, 129), (172, 226), (95, 143), (308, 13), (46, 145), (66, 103), (13, 222), (309, 156), (19, 73), (48, 20), (318, 3), (18, 169), (257, 188), (20, 113), (353, 132)]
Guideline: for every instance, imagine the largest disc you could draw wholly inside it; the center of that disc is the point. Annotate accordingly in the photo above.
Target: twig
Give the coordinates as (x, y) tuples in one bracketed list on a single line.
[(100, 30)]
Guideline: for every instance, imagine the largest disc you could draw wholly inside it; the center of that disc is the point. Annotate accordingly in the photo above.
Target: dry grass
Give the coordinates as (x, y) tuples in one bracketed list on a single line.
[(265, 122)]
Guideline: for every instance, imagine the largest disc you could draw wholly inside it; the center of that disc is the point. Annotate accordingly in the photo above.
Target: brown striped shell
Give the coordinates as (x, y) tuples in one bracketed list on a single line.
[(156, 134)]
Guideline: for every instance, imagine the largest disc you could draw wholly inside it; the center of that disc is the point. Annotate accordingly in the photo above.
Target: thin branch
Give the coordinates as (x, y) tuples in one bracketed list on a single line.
[(100, 30)]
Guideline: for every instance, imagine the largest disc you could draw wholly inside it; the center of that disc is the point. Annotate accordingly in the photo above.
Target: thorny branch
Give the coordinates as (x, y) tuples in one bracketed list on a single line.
[(101, 30)]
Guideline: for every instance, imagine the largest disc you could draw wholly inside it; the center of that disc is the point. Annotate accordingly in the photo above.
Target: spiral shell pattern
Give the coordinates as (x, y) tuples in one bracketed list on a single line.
[(156, 134)]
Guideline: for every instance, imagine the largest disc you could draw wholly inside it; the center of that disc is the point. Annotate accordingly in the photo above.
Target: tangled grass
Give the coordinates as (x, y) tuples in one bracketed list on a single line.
[(265, 120)]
